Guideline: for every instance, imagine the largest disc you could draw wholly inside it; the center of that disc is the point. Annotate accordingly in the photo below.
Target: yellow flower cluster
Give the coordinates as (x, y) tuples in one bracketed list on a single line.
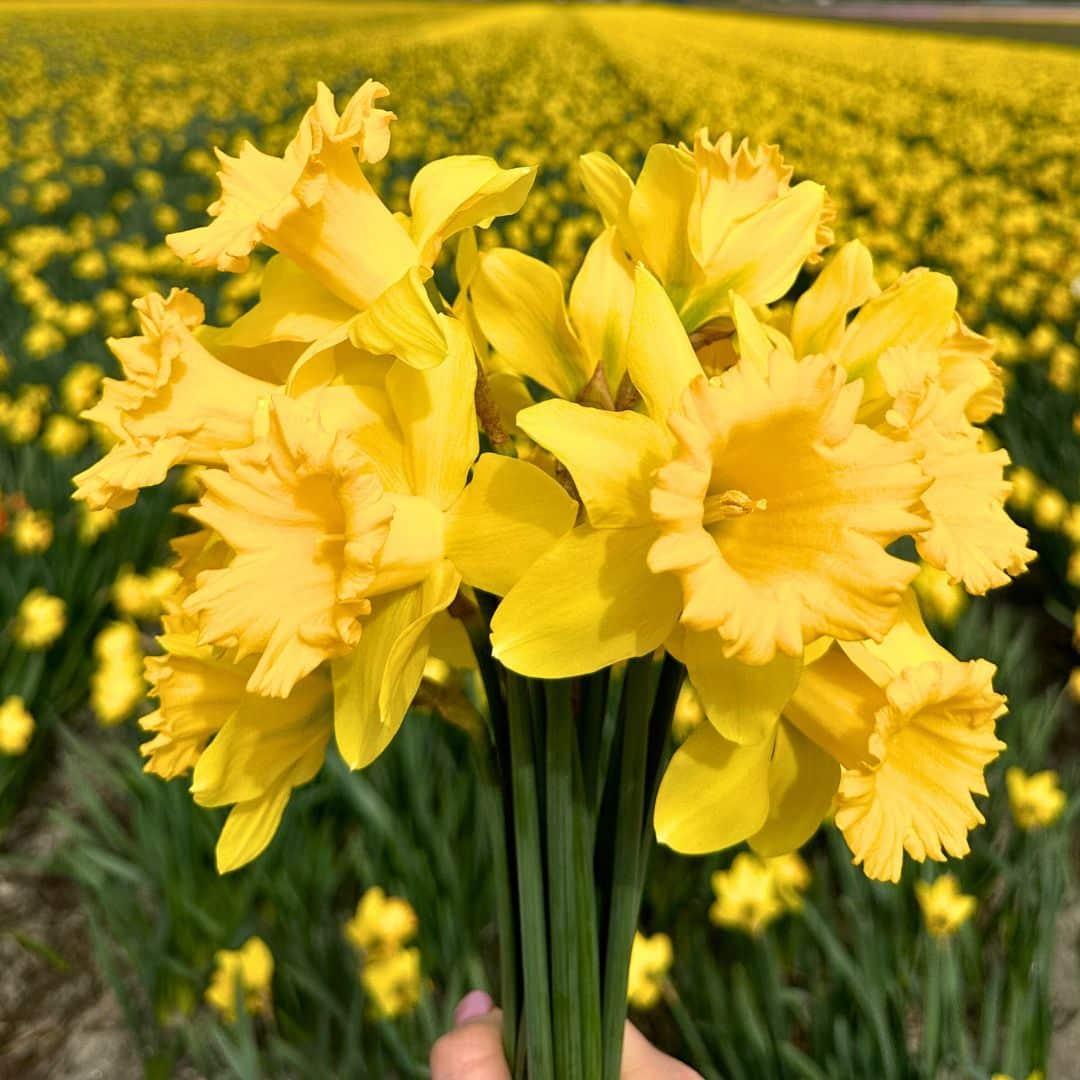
[(683, 463), (380, 930), (754, 892), (242, 976)]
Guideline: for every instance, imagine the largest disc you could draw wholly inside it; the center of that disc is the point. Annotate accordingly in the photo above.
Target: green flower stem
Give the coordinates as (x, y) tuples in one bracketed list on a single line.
[(562, 887), (530, 874), (492, 757), (625, 894)]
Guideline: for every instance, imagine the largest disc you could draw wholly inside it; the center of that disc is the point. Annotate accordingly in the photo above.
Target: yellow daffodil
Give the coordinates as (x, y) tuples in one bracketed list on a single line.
[(381, 924), (1036, 800), (243, 975), (898, 732), (16, 726), (373, 511), (712, 220), (40, 620), (944, 907), (650, 960), (735, 520), (393, 982), (143, 596), (177, 403), (117, 684), (746, 896), (346, 264), (928, 380)]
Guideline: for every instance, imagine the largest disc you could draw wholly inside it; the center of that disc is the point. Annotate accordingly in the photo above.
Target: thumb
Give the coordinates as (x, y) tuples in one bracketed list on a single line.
[(642, 1061), (474, 1049)]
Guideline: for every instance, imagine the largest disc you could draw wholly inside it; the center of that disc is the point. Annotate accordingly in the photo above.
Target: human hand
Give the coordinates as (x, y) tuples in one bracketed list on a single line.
[(473, 1049)]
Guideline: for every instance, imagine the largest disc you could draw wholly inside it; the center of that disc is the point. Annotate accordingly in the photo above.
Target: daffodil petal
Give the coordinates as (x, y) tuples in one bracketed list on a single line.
[(461, 191), (375, 684), (249, 828), (820, 315), (519, 305), (754, 343), (403, 323), (659, 210), (714, 793), (610, 455), (802, 782), (659, 355), (601, 301), (761, 256), (293, 306), (437, 415), (549, 626), (610, 188), (742, 701), (916, 311), (511, 508)]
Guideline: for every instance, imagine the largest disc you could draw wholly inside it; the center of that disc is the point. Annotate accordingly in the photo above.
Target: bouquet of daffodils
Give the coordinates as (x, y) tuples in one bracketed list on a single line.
[(590, 502)]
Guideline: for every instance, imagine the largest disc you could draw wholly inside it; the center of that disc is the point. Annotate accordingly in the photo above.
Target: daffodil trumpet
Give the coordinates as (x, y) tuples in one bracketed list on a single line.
[(542, 515)]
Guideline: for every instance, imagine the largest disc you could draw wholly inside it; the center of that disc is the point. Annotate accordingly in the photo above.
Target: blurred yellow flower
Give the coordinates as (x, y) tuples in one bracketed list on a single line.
[(940, 596), (650, 960), (1036, 800), (16, 726), (80, 387), (64, 436), (944, 908), (40, 620), (242, 975), (31, 531), (746, 895), (143, 596), (381, 924), (393, 983), (92, 523), (791, 877)]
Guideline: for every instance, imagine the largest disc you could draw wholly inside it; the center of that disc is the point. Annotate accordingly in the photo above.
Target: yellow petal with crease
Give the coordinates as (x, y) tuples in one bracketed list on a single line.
[(610, 456), (508, 516), (293, 306), (455, 193), (438, 418), (659, 355), (375, 684), (403, 323), (589, 602), (519, 304), (916, 311), (761, 255), (754, 343), (601, 301), (802, 782), (659, 210), (714, 793), (742, 701), (610, 189), (820, 315)]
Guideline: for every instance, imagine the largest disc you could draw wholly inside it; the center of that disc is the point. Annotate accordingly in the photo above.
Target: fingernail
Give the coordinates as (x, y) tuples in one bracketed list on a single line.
[(474, 1004)]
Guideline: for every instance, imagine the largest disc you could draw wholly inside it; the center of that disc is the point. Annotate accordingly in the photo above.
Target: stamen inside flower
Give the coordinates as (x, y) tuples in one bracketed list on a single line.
[(730, 504)]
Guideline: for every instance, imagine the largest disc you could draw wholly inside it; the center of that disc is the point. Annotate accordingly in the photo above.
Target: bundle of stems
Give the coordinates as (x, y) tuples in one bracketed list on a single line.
[(569, 771)]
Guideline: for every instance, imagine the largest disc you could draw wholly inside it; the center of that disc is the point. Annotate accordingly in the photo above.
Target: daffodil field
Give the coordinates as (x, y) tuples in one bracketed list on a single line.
[(343, 948)]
